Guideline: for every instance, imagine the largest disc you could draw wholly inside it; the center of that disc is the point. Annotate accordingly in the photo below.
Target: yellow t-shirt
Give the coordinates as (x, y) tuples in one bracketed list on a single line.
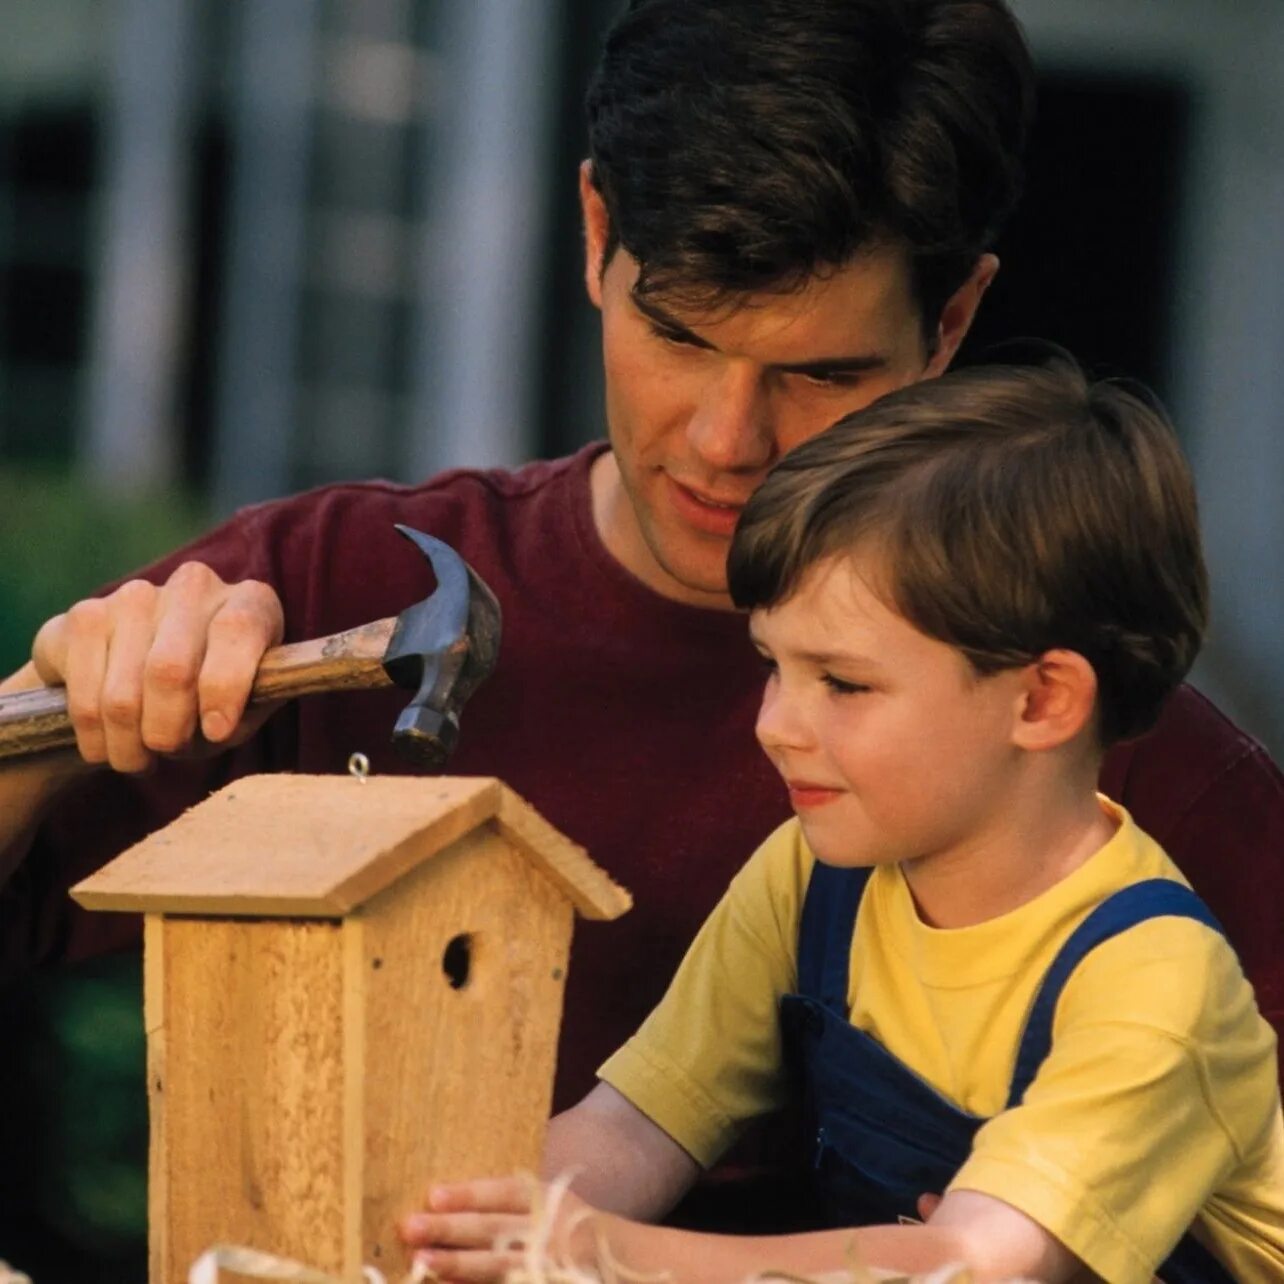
[(1157, 1106)]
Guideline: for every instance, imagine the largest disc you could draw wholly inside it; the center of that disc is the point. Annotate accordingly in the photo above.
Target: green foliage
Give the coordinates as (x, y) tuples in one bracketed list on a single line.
[(60, 539), (74, 1079), (94, 1187)]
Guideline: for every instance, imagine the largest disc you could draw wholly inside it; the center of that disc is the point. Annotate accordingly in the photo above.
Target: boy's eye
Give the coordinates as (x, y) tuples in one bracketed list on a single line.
[(839, 686)]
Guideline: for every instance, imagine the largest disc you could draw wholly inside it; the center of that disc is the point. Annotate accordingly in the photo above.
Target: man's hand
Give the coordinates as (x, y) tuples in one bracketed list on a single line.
[(473, 1230), (151, 670)]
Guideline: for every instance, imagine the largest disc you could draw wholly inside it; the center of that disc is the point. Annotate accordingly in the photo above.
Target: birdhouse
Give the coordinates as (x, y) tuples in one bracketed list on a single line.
[(352, 988)]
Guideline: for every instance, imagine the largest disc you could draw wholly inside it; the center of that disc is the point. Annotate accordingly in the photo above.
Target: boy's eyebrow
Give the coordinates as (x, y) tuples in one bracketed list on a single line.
[(822, 659), (817, 369)]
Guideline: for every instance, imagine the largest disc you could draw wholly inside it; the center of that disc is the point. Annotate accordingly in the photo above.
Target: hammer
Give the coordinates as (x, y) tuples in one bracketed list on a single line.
[(442, 648)]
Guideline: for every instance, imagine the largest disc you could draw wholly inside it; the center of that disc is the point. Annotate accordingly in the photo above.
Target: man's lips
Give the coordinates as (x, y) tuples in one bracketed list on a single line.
[(710, 513), (806, 793)]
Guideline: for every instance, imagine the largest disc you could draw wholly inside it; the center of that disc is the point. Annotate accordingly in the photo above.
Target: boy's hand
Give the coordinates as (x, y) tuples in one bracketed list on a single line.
[(457, 1233)]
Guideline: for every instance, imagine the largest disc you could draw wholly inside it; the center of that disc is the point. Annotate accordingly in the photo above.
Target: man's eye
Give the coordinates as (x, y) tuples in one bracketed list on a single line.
[(834, 379), (671, 336)]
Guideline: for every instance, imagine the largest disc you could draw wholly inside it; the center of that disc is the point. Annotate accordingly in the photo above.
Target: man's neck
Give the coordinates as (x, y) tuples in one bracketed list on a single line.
[(617, 526)]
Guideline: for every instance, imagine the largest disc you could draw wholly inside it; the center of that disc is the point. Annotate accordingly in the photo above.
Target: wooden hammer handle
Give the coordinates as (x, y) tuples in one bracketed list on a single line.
[(36, 721)]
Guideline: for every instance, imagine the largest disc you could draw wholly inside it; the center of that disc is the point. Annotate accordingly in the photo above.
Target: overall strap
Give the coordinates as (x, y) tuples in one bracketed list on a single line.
[(1154, 898), (825, 933)]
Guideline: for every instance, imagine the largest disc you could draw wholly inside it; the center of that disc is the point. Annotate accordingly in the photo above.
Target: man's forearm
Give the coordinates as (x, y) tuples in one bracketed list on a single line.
[(27, 791), (29, 787)]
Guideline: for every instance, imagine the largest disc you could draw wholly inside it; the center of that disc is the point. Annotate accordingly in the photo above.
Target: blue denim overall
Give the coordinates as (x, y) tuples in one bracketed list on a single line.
[(884, 1136)]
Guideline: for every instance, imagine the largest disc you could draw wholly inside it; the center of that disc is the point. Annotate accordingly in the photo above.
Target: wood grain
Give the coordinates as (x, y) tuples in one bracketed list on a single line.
[(246, 850), (250, 1091), (458, 1081)]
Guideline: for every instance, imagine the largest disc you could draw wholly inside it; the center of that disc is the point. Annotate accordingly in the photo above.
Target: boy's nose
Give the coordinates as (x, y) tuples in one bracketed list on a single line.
[(731, 429), (780, 723)]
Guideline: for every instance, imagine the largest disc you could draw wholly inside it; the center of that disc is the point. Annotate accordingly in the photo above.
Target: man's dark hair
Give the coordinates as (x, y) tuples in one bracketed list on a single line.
[(1010, 511), (744, 146)]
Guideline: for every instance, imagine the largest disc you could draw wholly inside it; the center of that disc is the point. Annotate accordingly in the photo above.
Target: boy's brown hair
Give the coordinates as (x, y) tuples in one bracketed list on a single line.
[(1015, 510)]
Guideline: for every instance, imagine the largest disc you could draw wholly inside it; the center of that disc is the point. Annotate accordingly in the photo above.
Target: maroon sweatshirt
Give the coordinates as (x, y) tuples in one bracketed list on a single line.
[(626, 719)]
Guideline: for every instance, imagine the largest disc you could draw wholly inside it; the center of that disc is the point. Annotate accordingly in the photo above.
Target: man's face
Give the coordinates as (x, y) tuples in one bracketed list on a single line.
[(700, 406)]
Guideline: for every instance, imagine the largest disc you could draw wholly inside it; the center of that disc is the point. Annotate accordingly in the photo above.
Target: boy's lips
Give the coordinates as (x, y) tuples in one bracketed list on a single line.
[(806, 793), (710, 513)]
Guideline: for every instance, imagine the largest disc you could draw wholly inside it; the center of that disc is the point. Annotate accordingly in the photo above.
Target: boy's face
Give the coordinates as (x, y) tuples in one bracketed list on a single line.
[(891, 746), (700, 406)]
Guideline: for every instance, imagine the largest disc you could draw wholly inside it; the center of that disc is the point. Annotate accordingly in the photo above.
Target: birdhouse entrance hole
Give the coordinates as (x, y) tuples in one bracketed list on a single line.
[(457, 960)]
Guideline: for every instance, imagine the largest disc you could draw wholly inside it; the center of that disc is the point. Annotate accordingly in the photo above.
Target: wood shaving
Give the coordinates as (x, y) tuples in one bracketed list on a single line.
[(541, 1262)]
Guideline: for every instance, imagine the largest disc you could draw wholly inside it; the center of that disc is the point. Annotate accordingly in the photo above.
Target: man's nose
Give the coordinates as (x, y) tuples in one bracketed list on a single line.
[(732, 429)]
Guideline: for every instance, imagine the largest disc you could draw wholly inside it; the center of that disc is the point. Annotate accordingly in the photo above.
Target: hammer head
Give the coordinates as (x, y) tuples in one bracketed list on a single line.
[(443, 648)]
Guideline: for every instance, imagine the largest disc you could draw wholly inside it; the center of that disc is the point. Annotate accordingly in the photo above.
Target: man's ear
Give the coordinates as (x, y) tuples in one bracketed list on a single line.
[(959, 312), (597, 226), (1058, 700)]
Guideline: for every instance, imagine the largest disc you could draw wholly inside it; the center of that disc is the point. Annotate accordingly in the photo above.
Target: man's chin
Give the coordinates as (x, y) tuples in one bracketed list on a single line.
[(697, 577)]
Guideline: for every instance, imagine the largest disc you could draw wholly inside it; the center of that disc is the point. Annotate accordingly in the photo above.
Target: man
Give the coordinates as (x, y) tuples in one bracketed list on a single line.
[(787, 208)]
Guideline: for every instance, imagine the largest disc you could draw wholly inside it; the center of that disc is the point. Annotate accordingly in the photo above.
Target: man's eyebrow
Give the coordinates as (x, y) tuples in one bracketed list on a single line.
[(826, 366), (821, 368), (669, 323)]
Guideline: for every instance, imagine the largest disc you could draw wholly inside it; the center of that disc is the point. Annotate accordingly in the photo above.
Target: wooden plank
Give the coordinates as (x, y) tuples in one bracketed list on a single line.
[(157, 1138), (588, 887), (300, 846), (319, 846), (253, 1091), (458, 1081)]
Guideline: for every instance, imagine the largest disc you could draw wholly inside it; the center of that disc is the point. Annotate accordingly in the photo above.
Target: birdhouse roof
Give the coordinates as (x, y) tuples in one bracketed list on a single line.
[(321, 846)]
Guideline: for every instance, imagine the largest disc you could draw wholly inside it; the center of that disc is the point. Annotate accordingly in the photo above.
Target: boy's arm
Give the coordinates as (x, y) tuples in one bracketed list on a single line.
[(619, 1161), (458, 1236), (996, 1241)]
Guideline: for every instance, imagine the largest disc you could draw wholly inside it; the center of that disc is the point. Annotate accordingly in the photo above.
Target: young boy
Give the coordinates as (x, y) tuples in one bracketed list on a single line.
[(977, 974)]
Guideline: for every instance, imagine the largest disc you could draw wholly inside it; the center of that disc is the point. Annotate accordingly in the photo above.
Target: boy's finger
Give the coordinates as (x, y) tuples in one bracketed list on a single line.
[(467, 1266), (485, 1195), (458, 1230)]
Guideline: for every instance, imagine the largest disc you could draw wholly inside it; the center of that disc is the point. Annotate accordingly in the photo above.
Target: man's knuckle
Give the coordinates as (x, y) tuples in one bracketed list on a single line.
[(120, 709), (85, 713), (87, 617), (170, 672), (192, 577), (235, 620), (135, 595)]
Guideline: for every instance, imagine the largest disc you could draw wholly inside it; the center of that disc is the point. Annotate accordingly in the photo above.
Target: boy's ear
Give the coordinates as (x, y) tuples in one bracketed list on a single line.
[(597, 225), (1058, 700)]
